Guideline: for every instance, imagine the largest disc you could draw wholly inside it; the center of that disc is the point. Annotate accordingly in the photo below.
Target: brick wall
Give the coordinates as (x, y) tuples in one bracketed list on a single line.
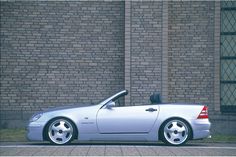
[(55, 53), (191, 52), (146, 50)]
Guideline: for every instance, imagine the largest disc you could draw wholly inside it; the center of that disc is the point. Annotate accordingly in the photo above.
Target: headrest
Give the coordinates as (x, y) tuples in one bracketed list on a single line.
[(155, 98)]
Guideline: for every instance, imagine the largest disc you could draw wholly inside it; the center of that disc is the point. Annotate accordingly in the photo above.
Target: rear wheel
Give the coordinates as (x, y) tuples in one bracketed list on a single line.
[(60, 131), (175, 132)]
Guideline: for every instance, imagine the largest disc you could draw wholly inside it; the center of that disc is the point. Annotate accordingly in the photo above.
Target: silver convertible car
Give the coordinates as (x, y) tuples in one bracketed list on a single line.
[(174, 124)]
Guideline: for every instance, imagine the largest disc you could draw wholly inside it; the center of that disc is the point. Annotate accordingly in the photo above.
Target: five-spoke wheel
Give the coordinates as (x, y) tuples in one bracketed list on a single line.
[(60, 131), (175, 132)]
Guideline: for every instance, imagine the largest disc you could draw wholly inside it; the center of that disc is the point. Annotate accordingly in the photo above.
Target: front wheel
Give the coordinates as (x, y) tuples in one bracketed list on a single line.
[(175, 132), (60, 131)]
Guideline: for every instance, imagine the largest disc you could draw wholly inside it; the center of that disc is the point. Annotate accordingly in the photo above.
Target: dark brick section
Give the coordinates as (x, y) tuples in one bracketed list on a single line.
[(146, 49), (55, 53), (191, 52)]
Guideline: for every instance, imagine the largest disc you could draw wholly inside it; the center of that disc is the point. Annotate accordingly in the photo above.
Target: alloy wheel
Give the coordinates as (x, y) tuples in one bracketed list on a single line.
[(60, 131), (176, 132)]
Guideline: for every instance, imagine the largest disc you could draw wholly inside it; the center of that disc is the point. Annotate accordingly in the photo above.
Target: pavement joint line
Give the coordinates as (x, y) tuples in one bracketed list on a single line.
[(138, 151), (41, 148), (190, 147), (71, 151), (88, 151), (172, 152), (122, 153)]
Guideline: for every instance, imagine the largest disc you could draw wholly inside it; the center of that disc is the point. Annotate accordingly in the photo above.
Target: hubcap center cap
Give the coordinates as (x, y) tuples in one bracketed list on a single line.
[(60, 131), (175, 131)]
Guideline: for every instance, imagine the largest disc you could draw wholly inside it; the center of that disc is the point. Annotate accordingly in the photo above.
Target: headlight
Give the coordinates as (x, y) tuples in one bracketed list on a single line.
[(36, 117)]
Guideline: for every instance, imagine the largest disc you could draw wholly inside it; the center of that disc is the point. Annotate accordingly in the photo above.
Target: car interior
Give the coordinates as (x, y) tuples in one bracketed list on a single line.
[(155, 98)]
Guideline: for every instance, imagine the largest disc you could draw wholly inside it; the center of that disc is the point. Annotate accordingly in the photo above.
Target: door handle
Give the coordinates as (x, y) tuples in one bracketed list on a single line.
[(151, 110)]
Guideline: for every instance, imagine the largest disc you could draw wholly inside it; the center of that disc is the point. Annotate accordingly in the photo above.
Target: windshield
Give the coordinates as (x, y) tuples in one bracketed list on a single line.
[(121, 95), (104, 99)]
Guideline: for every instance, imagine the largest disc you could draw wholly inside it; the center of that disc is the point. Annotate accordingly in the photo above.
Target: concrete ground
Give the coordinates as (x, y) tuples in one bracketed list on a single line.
[(116, 149)]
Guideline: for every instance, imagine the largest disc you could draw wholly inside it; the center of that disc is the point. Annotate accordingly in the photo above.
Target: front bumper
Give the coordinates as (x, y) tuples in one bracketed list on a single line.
[(35, 131), (201, 128)]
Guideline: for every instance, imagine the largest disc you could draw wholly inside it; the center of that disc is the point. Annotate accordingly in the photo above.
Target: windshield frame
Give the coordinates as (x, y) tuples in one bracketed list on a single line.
[(113, 97)]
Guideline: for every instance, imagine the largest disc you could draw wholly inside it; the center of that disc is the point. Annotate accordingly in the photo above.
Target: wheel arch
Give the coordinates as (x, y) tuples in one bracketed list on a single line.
[(168, 119), (45, 136)]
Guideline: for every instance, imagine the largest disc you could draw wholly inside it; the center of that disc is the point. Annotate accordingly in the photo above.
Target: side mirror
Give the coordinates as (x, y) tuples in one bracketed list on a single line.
[(110, 104)]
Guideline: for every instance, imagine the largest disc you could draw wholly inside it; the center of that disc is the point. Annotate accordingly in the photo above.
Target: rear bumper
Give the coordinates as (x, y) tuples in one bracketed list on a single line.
[(201, 128)]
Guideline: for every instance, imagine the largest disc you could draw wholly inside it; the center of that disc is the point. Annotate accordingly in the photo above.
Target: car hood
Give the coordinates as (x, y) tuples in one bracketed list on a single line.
[(65, 107)]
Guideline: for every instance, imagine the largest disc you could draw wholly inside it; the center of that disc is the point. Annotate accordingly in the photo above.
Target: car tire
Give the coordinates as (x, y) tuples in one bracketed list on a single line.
[(60, 131), (175, 132)]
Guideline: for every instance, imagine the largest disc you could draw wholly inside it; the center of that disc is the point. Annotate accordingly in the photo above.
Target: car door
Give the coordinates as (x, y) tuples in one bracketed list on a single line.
[(128, 119)]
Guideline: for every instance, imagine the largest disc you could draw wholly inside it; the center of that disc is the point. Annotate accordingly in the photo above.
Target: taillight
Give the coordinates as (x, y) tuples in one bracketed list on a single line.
[(204, 113)]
